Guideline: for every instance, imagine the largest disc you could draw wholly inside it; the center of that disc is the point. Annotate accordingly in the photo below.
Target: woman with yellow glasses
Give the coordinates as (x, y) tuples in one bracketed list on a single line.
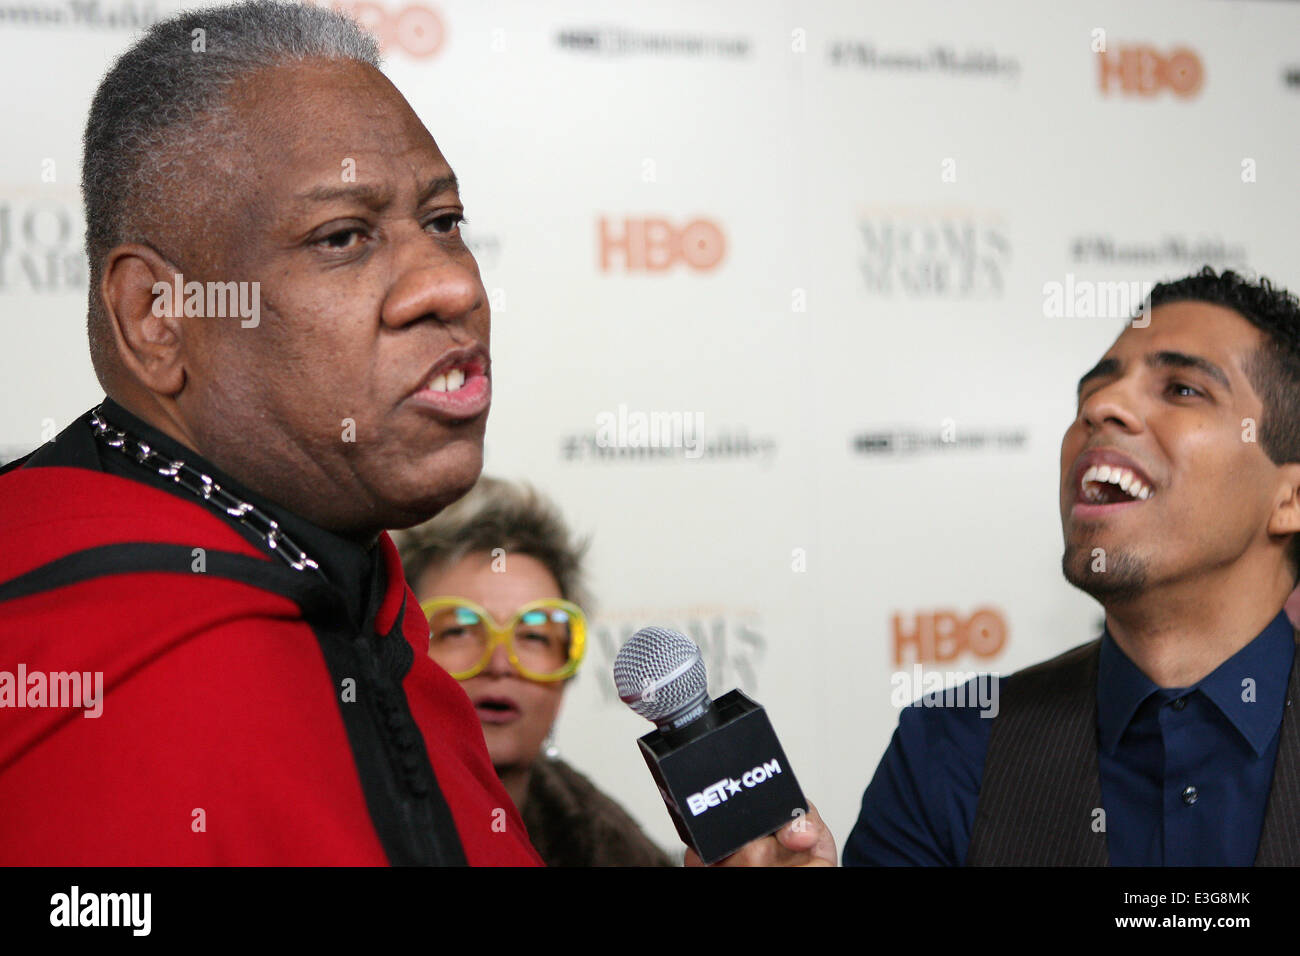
[(544, 639), (499, 579)]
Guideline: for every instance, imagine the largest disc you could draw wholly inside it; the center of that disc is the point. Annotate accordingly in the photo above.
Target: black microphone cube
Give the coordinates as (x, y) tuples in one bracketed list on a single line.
[(724, 778)]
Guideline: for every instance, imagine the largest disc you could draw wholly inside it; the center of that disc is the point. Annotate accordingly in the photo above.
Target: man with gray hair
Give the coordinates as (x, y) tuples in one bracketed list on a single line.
[(293, 342)]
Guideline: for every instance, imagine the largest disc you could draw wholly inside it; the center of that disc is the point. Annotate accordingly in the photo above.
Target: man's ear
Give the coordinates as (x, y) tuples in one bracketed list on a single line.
[(146, 323), (1285, 518)]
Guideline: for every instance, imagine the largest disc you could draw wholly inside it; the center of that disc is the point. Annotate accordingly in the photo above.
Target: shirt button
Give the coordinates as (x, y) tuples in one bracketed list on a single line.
[(1189, 795), (1179, 704)]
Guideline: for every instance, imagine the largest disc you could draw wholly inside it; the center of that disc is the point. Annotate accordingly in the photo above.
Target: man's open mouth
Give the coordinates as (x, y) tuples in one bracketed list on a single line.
[(449, 382), (457, 386), (451, 374), (1112, 484)]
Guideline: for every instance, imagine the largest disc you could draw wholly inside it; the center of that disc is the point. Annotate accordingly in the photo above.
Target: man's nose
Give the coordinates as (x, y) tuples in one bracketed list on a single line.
[(1114, 403), (434, 283)]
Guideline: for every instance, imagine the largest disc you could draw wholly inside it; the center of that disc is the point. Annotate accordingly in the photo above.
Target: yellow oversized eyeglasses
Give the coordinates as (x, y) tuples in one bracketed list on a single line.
[(545, 640)]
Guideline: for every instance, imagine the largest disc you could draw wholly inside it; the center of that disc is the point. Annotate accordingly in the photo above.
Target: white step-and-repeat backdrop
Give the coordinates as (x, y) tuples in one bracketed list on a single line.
[(864, 249)]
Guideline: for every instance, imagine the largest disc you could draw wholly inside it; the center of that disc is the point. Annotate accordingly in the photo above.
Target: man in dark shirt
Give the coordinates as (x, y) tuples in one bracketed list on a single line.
[(1169, 741)]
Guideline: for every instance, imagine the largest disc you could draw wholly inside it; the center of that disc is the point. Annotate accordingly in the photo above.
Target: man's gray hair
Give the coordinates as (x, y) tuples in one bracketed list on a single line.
[(167, 94)]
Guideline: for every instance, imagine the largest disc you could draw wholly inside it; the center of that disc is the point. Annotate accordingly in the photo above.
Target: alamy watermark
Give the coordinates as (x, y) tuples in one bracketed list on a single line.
[(1087, 299), (66, 689), (214, 300), (923, 688), (657, 429), (130, 910)]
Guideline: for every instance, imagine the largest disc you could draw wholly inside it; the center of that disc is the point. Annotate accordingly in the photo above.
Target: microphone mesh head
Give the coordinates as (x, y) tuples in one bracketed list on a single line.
[(659, 673)]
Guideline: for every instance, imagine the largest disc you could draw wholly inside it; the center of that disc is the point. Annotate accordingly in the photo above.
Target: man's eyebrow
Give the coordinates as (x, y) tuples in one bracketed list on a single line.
[(374, 196), (1107, 366), (440, 184), (1183, 360)]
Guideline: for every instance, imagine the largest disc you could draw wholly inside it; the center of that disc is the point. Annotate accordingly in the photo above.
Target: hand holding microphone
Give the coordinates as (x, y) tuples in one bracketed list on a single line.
[(803, 842), (721, 771)]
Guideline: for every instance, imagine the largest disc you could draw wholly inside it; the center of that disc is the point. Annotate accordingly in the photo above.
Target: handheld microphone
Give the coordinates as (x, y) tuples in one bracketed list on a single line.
[(719, 767)]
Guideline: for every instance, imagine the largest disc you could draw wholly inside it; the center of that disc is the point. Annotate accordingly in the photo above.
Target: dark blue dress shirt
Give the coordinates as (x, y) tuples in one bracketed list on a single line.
[(1185, 772)]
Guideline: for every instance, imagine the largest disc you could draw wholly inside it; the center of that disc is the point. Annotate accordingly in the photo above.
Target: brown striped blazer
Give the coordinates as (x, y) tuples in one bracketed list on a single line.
[(1040, 799)]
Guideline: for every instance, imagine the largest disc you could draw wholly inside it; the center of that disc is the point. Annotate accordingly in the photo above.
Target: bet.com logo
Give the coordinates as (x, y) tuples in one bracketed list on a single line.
[(656, 245), (1144, 71), (718, 793), (415, 29), (939, 636)]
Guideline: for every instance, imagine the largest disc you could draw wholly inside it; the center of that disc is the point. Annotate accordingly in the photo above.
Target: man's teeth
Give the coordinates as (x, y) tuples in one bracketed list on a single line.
[(451, 382), (1112, 474)]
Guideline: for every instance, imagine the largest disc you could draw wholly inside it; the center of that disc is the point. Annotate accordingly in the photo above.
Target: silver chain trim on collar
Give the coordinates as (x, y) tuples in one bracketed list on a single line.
[(193, 480)]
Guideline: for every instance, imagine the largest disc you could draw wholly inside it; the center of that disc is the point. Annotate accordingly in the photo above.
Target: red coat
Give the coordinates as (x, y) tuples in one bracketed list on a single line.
[(221, 739)]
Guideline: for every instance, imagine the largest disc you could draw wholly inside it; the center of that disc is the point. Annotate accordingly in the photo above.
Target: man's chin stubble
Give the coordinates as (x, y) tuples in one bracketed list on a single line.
[(1121, 578)]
